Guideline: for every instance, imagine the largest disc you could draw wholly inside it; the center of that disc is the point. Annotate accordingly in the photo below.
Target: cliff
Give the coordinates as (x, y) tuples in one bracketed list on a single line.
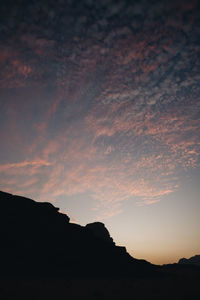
[(36, 239)]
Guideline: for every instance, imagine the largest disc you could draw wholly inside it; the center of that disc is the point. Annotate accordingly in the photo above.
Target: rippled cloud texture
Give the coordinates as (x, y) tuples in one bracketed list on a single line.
[(99, 97)]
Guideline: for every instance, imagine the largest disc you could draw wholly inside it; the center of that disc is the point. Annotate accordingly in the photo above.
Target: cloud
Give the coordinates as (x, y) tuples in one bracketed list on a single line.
[(13, 166), (109, 109)]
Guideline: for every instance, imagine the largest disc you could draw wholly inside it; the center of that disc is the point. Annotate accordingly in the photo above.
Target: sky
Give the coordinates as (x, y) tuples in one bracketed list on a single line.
[(99, 115)]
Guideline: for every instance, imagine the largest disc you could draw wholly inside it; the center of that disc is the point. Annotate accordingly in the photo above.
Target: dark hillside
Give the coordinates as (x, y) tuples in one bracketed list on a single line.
[(38, 240)]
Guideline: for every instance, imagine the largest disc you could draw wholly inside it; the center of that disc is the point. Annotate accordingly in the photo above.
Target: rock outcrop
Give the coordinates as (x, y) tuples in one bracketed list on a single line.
[(36, 239), (100, 231)]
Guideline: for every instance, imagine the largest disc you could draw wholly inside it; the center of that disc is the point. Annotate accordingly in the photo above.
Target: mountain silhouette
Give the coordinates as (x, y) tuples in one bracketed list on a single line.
[(36, 239), (194, 260)]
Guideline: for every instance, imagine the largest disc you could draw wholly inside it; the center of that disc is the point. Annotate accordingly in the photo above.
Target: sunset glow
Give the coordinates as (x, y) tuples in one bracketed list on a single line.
[(100, 116)]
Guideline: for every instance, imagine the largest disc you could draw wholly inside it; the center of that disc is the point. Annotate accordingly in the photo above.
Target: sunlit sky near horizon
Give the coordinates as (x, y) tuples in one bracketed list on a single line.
[(99, 115)]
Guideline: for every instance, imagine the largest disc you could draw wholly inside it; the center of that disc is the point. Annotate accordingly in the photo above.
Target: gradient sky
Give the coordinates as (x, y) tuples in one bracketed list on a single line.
[(99, 114)]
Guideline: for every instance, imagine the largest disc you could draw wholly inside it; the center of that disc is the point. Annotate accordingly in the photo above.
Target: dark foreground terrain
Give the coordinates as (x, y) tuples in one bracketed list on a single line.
[(44, 256), (181, 287)]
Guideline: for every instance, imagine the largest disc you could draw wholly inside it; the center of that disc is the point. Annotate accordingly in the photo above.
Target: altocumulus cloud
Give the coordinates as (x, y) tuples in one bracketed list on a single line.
[(107, 100)]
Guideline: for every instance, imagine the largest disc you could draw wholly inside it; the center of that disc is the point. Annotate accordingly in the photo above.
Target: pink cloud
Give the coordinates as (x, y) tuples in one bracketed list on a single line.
[(36, 163)]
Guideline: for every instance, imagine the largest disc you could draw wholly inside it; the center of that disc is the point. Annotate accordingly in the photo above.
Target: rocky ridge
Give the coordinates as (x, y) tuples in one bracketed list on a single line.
[(37, 240)]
